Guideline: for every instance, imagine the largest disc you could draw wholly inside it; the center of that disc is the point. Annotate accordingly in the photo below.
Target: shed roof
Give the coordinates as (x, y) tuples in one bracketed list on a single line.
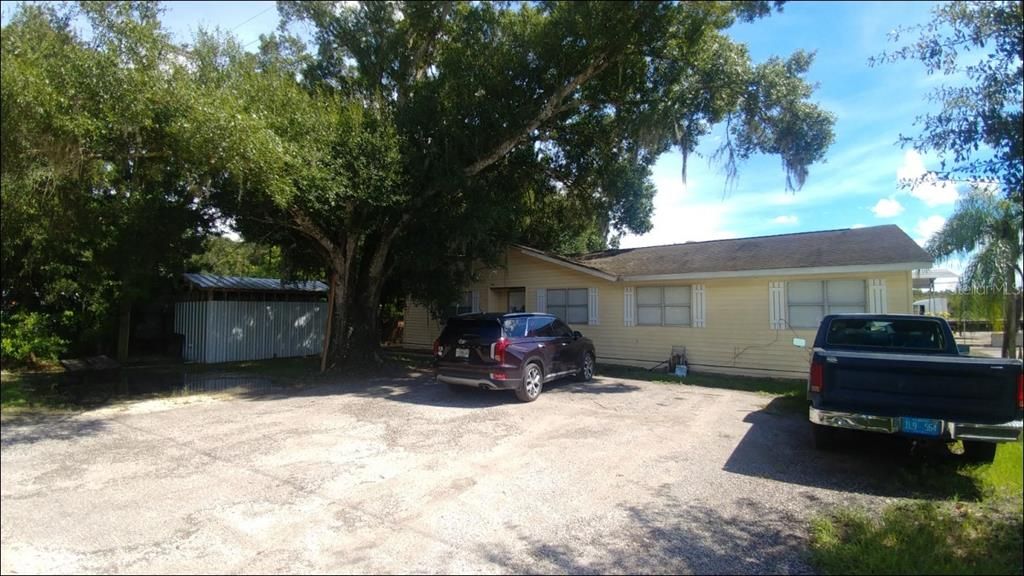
[(248, 284), (876, 245)]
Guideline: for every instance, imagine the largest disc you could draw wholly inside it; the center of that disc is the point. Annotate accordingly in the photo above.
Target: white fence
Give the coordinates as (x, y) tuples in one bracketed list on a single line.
[(230, 331)]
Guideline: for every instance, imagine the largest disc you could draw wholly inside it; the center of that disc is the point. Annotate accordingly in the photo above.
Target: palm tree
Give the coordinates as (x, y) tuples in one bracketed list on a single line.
[(987, 229)]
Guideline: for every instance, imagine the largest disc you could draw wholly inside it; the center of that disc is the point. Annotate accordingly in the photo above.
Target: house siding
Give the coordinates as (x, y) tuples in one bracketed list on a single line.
[(736, 337)]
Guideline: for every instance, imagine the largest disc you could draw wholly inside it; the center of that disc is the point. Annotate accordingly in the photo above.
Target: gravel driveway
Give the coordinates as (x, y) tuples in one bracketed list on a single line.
[(401, 475)]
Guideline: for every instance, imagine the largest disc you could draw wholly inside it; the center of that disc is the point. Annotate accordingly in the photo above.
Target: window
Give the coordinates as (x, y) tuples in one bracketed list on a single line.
[(463, 306), (569, 304), (810, 301), (560, 330), (539, 327), (916, 335), (663, 306)]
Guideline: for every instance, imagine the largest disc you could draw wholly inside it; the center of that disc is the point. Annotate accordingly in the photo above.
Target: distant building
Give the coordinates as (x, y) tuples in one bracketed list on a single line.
[(936, 306), (928, 278)]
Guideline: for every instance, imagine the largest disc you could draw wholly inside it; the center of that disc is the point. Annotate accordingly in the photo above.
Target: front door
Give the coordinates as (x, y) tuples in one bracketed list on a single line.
[(517, 300)]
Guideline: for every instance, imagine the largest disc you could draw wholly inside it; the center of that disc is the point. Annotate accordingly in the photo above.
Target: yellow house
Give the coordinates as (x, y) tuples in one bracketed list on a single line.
[(735, 305)]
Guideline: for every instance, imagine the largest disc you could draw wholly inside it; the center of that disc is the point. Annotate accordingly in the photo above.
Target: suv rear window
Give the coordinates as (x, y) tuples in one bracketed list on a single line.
[(918, 335), (471, 329)]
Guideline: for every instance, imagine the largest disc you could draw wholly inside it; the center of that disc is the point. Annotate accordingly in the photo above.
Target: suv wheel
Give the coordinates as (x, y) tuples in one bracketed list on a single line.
[(533, 381), (586, 373)]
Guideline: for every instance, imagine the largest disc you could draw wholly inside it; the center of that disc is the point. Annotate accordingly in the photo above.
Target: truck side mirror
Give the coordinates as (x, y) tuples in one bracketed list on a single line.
[(576, 335)]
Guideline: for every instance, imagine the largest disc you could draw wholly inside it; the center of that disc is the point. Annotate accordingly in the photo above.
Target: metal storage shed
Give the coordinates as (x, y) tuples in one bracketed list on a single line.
[(232, 319)]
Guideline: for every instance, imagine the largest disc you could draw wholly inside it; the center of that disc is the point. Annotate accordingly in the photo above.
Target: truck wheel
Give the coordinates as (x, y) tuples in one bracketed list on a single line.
[(980, 452), (533, 381), (824, 436)]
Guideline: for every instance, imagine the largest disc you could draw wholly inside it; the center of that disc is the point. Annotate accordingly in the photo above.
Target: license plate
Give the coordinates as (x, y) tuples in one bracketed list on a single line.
[(921, 426), (462, 352)]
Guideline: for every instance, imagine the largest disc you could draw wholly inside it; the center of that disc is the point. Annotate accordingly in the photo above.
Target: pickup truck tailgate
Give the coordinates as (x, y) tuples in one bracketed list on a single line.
[(939, 386)]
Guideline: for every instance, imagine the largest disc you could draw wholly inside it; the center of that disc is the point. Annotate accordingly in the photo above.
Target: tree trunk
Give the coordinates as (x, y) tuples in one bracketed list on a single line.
[(124, 326), (341, 267), (1011, 314), (364, 344)]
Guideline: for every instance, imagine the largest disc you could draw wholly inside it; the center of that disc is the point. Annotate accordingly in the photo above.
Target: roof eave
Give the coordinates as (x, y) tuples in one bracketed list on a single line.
[(851, 269), (566, 263)]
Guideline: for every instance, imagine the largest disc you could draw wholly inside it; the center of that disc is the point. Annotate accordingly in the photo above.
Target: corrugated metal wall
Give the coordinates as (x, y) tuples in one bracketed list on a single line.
[(229, 331)]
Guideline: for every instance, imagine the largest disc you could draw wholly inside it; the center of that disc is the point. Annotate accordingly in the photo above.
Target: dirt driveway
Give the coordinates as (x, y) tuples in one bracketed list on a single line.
[(400, 475)]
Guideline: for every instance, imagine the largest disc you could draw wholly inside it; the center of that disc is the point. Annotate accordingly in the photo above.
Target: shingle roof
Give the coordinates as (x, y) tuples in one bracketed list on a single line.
[(214, 282), (874, 245)]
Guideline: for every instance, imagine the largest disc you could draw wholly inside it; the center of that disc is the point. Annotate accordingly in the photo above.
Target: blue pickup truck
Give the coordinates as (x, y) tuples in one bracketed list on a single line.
[(903, 374)]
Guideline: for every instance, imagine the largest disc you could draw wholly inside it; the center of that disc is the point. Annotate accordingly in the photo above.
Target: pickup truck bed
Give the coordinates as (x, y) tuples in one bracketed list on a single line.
[(900, 374)]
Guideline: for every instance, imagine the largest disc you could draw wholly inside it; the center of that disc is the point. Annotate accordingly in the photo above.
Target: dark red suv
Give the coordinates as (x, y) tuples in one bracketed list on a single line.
[(517, 352)]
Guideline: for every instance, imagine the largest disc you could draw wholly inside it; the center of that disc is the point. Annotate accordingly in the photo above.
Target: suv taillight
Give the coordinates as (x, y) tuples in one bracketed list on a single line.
[(498, 349), (817, 376)]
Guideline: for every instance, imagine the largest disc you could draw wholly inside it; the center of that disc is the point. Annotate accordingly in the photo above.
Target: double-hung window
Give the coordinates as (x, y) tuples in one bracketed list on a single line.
[(569, 304), (663, 306), (810, 301)]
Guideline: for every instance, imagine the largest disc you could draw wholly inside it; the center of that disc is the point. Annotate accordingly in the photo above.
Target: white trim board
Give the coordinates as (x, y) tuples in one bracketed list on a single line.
[(856, 269)]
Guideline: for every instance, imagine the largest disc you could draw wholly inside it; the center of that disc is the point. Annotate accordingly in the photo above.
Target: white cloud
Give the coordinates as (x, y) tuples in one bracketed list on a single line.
[(926, 227), (934, 192), (923, 185), (680, 217), (887, 208), (787, 219), (784, 198), (912, 167)]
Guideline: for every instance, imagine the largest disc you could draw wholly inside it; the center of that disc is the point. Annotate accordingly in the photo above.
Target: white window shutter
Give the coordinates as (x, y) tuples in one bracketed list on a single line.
[(592, 308), (877, 298), (628, 306), (777, 305), (698, 306), (542, 300), (476, 300)]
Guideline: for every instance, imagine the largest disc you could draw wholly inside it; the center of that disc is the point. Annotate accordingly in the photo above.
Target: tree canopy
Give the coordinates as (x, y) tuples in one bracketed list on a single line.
[(98, 208), (988, 230), (979, 48), (413, 142), (421, 138)]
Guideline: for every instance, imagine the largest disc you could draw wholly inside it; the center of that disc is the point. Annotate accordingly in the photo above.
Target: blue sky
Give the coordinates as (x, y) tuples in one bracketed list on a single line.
[(858, 183), (856, 186)]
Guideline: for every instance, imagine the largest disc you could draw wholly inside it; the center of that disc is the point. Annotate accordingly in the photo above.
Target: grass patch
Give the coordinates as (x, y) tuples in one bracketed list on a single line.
[(790, 393), (29, 391), (927, 537), (278, 369), (919, 538), (1005, 476)]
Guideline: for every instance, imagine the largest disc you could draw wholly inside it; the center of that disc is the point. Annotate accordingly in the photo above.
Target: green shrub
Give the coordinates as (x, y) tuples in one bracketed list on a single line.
[(28, 338)]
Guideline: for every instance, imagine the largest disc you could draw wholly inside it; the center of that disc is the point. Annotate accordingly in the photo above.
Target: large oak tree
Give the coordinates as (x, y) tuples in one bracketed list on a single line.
[(420, 138)]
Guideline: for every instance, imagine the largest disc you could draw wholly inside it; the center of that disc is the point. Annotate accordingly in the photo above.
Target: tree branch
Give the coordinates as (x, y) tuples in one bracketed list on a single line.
[(305, 224), (550, 108), (419, 62)]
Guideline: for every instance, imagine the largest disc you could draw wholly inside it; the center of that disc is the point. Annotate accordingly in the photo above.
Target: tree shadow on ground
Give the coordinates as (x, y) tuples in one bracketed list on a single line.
[(779, 446), (29, 428), (668, 535), (415, 387)]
